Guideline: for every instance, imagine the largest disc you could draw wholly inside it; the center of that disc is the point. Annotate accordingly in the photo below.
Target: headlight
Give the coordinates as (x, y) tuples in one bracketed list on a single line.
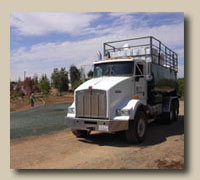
[(122, 112), (71, 110)]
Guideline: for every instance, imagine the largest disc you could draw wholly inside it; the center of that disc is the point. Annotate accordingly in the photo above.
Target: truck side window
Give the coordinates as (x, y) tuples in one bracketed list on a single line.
[(139, 71)]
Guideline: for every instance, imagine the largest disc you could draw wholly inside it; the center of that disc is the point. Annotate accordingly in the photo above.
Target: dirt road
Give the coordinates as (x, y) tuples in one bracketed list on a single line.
[(163, 148), (25, 105)]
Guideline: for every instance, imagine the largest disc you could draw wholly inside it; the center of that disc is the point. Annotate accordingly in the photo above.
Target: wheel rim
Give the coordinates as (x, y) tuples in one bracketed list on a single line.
[(141, 128)]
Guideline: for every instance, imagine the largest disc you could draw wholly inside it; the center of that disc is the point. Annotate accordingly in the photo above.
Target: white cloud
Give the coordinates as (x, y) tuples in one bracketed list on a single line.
[(44, 57), (42, 23), (120, 14)]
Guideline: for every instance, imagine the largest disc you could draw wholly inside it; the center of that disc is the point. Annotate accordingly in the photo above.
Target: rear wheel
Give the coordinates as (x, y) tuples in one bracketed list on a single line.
[(171, 116), (176, 110), (80, 133), (137, 128)]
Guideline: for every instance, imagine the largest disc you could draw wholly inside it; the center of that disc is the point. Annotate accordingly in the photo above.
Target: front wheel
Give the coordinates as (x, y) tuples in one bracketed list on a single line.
[(137, 128), (80, 133)]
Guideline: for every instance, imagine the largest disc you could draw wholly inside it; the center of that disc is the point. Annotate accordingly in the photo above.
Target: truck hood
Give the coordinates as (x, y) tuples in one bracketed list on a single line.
[(102, 83)]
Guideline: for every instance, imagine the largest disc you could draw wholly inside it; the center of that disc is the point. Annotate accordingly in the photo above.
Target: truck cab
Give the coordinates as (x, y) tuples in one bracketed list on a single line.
[(133, 85)]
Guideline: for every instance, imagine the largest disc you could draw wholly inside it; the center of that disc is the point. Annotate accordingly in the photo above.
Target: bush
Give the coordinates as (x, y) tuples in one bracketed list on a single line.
[(181, 87), (44, 84)]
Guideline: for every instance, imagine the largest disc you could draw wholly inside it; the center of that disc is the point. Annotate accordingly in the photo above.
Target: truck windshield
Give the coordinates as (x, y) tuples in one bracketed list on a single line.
[(113, 69)]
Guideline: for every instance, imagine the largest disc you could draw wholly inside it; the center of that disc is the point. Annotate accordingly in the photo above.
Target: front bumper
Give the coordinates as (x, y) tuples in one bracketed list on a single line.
[(96, 124)]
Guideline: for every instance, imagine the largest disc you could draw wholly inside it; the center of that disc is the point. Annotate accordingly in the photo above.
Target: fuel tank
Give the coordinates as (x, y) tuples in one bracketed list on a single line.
[(163, 83)]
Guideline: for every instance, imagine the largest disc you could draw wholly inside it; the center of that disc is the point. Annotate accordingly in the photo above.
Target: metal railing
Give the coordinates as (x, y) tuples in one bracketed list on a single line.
[(152, 48)]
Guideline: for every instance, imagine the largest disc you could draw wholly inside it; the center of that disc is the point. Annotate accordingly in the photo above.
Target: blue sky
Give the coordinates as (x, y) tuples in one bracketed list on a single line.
[(42, 41)]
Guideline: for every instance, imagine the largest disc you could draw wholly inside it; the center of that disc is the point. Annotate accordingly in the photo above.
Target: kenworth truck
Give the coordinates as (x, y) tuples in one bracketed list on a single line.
[(132, 86)]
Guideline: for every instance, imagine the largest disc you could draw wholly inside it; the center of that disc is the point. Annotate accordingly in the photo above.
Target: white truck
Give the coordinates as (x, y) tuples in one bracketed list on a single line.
[(133, 85)]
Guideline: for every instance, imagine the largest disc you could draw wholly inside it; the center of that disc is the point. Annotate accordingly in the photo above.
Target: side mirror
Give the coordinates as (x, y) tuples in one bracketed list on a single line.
[(149, 78)]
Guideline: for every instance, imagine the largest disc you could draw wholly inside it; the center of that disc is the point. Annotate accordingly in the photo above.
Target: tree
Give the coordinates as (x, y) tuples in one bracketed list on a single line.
[(75, 77), (35, 79), (60, 79), (54, 77), (44, 84), (90, 74), (28, 86), (12, 83)]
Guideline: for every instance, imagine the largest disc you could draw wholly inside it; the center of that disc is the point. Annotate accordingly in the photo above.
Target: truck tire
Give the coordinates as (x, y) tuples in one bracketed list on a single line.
[(171, 116), (176, 110), (80, 133), (137, 128)]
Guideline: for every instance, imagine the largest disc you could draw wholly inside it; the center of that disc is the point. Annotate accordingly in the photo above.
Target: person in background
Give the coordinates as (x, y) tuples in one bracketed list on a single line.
[(32, 98)]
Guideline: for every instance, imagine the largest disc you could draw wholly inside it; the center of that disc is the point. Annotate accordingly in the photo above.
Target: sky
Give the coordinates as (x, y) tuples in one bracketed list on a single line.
[(41, 41)]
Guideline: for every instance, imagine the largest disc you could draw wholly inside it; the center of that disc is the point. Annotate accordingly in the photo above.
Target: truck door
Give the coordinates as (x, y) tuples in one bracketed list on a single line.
[(140, 82)]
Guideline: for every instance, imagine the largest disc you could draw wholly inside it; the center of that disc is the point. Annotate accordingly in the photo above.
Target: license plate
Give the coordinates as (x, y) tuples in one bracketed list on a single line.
[(103, 128)]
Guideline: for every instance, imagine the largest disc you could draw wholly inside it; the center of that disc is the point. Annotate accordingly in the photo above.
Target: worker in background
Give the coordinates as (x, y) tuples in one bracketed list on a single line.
[(32, 98)]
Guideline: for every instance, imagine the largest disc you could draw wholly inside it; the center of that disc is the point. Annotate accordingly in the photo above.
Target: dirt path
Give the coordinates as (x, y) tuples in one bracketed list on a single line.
[(163, 148), (51, 100)]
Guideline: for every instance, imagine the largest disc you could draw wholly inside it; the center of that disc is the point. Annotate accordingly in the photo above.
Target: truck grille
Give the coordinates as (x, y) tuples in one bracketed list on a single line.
[(91, 105)]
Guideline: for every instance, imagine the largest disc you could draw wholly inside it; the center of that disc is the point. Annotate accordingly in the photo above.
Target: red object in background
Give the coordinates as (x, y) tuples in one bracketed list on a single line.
[(90, 89)]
